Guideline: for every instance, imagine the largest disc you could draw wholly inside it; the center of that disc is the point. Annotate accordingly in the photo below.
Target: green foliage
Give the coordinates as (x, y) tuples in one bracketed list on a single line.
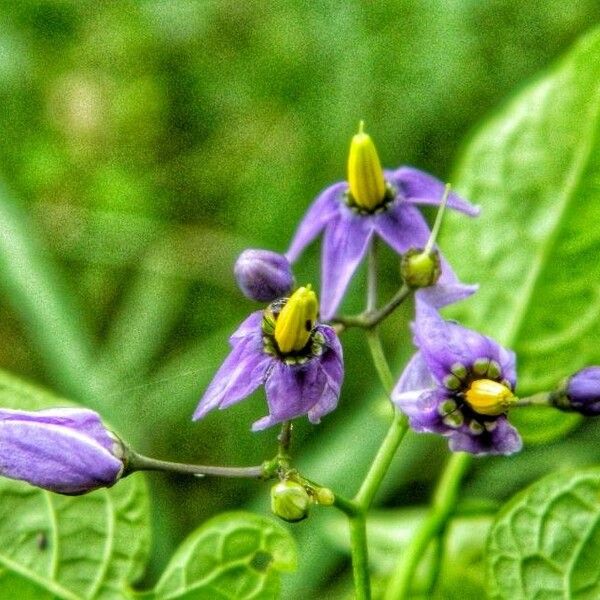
[(545, 542), (233, 555), (534, 168)]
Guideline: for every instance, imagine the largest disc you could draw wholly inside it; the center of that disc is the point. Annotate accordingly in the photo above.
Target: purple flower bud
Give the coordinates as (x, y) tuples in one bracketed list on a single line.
[(263, 275), (581, 392), (64, 450)]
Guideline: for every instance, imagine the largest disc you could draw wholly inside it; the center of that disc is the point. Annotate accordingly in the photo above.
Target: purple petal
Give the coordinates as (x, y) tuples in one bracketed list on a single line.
[(53, 456), (423, 411), (251, 326), (240, 374), (504, 439), (346, 240), (402, 227), (421, 188), (263, 275), (583, 391), (83, 420), (443, 343), (324, 208), (416, 376), (447, 290), (332, 365)]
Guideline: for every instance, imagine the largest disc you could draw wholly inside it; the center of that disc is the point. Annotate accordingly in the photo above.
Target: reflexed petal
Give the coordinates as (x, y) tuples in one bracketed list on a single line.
[(447, 290), (423, 412), (418, 187), (249, 327), (240, 374), (55, 457), (443, 343), (292, 391), (345, 244), (325, 207), (402, 227), (504, 439)]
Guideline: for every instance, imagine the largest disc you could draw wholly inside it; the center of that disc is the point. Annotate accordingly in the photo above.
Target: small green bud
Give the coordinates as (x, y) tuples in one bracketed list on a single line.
[(324, 496), (420, 268), (290, 501)]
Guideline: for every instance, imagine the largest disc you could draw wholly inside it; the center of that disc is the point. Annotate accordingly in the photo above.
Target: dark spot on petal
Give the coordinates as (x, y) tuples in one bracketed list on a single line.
[(261, 561)]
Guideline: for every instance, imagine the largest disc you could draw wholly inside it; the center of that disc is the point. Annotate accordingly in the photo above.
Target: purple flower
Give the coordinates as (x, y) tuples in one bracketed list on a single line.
[(386, 209), (581, 393), (459, 384), (298, 360), (64, 450), (263, 275)]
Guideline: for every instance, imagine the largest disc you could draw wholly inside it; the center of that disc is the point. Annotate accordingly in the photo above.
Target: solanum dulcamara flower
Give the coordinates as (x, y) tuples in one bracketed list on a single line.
[(373, 202), (64, 450), (284, 348), (459, 384)]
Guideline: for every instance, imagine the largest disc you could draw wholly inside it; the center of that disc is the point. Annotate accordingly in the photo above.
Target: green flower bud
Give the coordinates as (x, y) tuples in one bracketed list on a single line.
[(420, 268), (324, 496), (290, 501)]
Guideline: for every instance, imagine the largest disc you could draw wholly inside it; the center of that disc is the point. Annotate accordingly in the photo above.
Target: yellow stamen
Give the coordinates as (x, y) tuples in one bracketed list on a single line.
[(365, 175), (296, 320), (488, 397)]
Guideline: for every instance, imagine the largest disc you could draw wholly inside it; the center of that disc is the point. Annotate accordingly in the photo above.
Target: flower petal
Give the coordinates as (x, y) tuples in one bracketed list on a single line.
[(55, 457), (346, 241), (419, 187), (249, 327), (85, 421), (324, 208), (504, 439), (443, 344), (402, 227), (240, 374)]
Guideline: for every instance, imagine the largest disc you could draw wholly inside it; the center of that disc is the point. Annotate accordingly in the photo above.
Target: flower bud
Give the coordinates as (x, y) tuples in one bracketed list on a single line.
[(296, 320), (488, 397), (324, 496), (580, 393), (365, 175), (290, 501), (64, 450), (263, 275), (420, 268)]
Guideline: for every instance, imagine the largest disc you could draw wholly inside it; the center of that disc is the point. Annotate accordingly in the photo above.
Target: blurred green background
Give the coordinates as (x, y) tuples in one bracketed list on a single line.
[(145, 144)]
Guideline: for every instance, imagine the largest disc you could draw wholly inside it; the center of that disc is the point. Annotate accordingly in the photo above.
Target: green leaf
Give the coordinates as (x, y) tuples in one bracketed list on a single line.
[(68, 547), (534, 168), (234, 555), (545, 543)]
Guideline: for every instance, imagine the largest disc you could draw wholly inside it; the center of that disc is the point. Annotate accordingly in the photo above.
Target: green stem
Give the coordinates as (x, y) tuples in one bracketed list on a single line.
[(444, 501), (360, 557), (379, 360), (138, 462), (382, 460)]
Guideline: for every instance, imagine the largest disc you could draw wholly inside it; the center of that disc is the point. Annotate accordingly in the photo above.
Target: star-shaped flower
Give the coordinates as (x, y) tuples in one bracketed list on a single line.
[(373, 203), (284, 348), (459, 384)]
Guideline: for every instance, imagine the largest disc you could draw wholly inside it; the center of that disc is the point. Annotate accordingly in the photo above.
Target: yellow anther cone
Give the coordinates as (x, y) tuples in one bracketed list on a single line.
[(488, 397), (365, 175), (296, 320)]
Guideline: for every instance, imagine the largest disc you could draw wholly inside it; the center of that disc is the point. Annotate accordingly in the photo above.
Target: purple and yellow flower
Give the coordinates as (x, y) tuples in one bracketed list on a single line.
[(459, 384), (64, 450), (284, 348), (373, 202), (580, 393)]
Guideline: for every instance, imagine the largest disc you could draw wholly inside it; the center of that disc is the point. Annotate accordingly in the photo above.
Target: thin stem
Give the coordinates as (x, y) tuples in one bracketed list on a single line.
[(379, 360), (284, 440), (444, 500), (369, 320), (539, 399), (360, 557), (382, 461), (438, 221), (349, 507), (138, 462)]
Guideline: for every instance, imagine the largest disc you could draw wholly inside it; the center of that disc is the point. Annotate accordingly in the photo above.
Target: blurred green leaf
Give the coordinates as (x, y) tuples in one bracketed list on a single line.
[(534, 168), (545, 542), (233, 555), (54, 546)]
